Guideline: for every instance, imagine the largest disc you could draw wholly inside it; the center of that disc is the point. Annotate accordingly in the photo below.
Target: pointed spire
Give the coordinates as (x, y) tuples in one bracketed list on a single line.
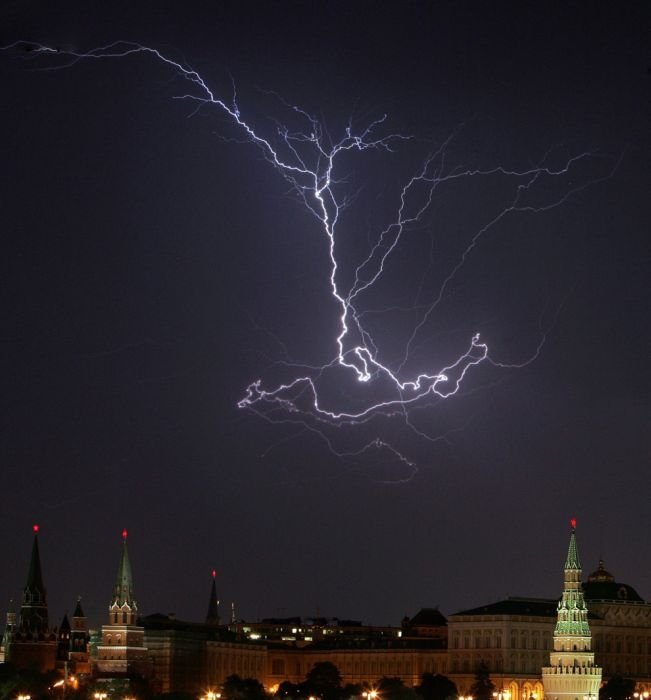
[(572, 648), (79, 611), (572, 561), (212, 617), (33, 611), (35, 575), (123, 589)]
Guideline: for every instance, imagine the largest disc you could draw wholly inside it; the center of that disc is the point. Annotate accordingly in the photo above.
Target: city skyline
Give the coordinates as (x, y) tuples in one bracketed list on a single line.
[(561, 646), (97, 613), (156, 265)]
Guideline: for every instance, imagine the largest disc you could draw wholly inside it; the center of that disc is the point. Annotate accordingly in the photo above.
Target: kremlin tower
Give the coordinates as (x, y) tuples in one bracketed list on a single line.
[(212, 616), (122, 652), (32, 643), (572, 674)]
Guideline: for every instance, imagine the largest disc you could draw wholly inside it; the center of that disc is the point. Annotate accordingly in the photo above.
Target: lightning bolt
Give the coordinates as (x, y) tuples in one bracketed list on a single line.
[(309, 161)]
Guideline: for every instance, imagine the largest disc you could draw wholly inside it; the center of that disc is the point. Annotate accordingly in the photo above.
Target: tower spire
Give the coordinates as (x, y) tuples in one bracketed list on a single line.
[(33, 644), (33, 612), (212, 617), (122, 649), (123, 589), (572, 562), (572, 638)]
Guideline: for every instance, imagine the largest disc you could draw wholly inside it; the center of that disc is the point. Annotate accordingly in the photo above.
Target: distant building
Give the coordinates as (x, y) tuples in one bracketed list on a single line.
[(190, 657), (73, 652), (621, 628), (607, 621), (8, 634)]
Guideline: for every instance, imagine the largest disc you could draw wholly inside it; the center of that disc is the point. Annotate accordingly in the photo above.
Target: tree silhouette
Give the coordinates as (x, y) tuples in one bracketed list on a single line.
[(436, 687), (483, 687), (617, 688)]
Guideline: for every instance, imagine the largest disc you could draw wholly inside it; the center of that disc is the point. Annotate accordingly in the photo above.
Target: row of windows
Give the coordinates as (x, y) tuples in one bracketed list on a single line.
[(237, 664), (488, 642), (365, 668), (116, 618), (618, 646), (524, 664)]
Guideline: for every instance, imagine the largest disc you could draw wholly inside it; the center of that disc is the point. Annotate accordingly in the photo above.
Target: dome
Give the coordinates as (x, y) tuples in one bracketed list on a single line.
[(601, 574), (601, 585)]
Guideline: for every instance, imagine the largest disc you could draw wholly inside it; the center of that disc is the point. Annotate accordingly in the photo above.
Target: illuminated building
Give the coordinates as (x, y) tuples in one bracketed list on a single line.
[(122, 652), (7, 636), (515, 637), (363, 661), (572, 672)]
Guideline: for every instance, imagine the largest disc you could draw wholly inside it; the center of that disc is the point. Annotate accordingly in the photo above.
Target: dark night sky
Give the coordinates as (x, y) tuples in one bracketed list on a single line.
[(151, 269)]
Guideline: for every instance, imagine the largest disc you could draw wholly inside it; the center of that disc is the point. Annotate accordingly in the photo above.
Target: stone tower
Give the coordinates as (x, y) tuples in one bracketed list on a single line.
[(572, 674), (122, 652), (33, 644), (79, 638)]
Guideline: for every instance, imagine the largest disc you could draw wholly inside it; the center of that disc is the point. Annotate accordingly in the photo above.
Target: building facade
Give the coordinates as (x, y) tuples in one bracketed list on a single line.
[(515, 637)]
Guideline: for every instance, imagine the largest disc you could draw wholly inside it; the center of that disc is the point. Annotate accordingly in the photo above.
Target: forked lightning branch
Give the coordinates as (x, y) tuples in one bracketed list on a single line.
[(309, 160)]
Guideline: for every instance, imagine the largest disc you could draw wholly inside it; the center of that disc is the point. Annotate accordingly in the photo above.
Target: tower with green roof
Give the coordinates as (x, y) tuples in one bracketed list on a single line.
[(122, 651), (572, 674)]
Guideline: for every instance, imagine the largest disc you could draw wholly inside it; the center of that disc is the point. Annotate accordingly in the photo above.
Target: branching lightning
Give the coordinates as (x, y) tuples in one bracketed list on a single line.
[(308, 160)]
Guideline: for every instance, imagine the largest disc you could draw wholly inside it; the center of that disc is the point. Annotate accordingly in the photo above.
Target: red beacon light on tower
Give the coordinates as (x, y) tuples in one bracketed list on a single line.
[(214, 573), (35, 528), (573, 523), (125, 534)]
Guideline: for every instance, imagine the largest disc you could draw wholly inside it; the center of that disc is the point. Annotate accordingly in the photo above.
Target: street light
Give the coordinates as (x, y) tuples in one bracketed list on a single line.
[(24, 697), (642, 695), (502, 694), (465, 697), (211, 695), (99, 696)]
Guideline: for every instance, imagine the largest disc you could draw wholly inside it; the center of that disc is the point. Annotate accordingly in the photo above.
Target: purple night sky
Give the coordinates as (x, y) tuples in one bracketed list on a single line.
[(154, 264)]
